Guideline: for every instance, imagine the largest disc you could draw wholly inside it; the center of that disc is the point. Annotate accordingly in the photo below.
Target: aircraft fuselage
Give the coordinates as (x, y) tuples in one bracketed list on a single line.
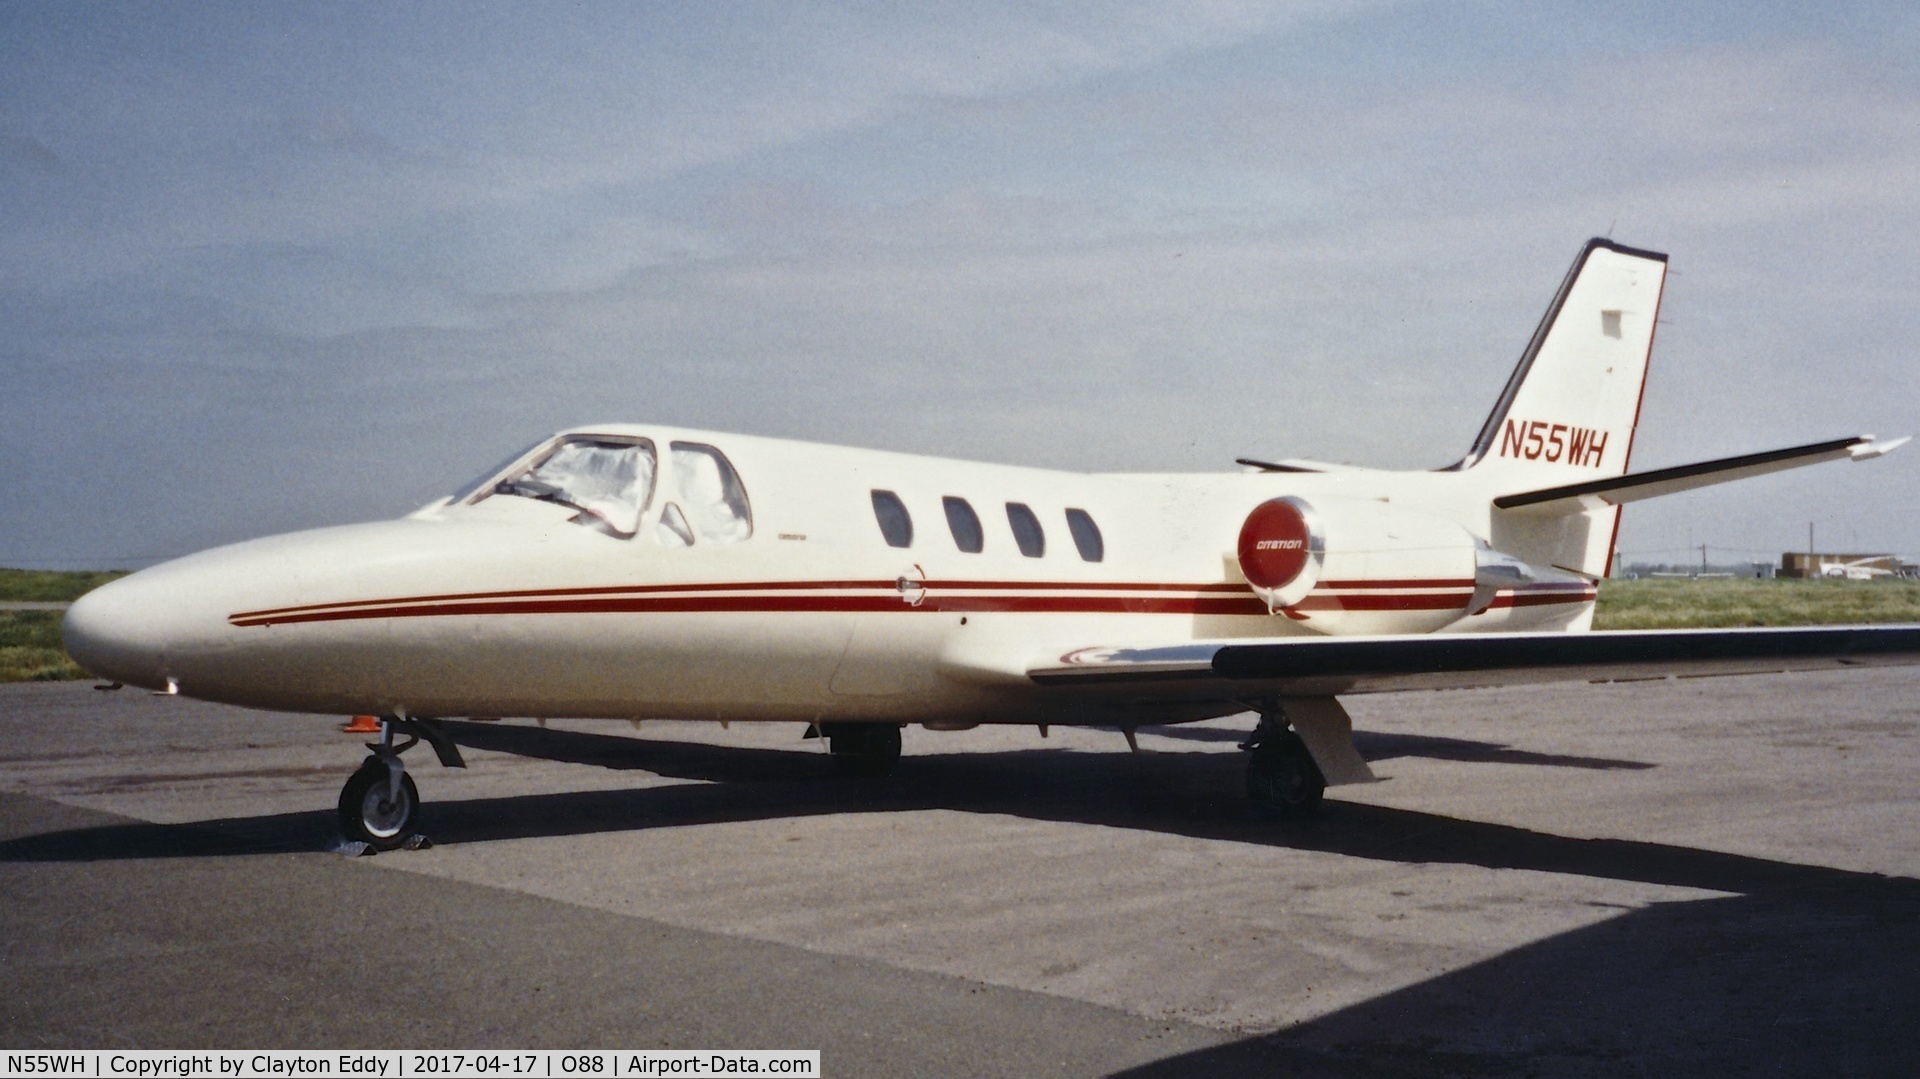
[(499, 604)]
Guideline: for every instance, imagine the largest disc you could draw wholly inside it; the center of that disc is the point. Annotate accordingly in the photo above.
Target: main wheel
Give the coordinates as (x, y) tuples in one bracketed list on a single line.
[(1283, 783), (368, 815), (863, 749)]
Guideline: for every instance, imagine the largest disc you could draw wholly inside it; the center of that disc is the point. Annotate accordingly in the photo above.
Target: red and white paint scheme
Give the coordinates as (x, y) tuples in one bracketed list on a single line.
[(638, 571)]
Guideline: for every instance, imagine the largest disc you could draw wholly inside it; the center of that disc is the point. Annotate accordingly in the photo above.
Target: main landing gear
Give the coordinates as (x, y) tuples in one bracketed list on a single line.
[(380, 806), (1283, 782), (862, 749)]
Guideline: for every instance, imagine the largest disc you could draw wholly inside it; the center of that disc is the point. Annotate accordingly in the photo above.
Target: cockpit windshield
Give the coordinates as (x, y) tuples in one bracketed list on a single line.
[(482, 485), (609, 480)]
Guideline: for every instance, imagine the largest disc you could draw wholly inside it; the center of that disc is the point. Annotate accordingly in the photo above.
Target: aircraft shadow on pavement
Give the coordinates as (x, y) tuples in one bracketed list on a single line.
[(1800, 970), (1376, 746), (1190, 794)]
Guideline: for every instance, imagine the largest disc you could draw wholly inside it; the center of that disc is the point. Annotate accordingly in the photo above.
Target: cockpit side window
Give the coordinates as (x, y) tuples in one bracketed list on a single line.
[(896, 525), (715, 501), (609, 480)]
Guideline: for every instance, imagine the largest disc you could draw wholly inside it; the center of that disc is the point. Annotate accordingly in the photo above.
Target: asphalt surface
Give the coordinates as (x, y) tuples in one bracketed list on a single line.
[(1653, 878)]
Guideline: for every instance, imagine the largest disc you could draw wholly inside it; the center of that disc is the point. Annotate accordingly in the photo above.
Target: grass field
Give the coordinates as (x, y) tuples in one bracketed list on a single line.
[(1677, 603), (30, 648), (45, 586), (30, 640)]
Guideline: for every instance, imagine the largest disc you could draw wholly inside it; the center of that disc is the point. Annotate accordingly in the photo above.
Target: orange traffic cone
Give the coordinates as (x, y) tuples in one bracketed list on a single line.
[(362, 725)]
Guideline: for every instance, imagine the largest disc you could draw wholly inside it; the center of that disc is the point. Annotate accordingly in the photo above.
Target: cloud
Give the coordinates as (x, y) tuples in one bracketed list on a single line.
[(345, 253)]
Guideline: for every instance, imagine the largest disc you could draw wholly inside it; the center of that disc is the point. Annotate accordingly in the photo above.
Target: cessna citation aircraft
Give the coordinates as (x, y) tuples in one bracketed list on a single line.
[(637, 571)]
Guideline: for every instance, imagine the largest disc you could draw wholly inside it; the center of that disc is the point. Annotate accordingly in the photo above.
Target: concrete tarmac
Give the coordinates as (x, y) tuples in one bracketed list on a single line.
[(1646, 878)]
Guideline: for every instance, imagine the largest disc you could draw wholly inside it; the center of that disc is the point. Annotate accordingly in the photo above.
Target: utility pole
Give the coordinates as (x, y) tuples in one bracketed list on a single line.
[(1703, 560)]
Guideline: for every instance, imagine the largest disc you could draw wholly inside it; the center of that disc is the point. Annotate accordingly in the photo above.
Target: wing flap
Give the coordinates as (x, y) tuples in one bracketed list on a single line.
[(1327, 666)]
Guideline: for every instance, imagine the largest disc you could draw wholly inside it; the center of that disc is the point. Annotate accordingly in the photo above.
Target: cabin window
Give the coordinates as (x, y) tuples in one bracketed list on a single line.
[(609, 480), (967, 533), (1026, 530), (895, 523), (715, 503), (1086, 535)]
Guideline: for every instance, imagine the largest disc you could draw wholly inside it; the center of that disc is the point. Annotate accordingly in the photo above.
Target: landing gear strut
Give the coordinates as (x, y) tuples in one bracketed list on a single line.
[(863, 749), (1283, 783), (380, 806)]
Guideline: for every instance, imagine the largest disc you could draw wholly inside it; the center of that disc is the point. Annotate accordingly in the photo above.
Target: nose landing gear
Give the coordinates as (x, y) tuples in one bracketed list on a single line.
[(379, 805)]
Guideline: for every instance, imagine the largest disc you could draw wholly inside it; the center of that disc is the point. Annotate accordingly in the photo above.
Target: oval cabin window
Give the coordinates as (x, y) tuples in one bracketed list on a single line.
[(891, 513), (1026, 530), (967, 533), (1086, 535)]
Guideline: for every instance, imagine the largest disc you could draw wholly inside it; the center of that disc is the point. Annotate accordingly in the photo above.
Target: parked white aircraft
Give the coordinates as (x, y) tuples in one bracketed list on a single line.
[(1860, 569), (635, 571)]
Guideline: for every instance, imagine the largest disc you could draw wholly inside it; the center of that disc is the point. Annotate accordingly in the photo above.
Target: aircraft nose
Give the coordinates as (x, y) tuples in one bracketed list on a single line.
[(124, 630)]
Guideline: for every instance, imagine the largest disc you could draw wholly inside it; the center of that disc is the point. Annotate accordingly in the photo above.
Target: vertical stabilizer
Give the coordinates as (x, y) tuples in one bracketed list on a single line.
[(1568, 413)]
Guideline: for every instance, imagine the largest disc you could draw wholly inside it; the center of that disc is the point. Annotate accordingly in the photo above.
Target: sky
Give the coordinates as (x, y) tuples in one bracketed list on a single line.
[(277, 266)]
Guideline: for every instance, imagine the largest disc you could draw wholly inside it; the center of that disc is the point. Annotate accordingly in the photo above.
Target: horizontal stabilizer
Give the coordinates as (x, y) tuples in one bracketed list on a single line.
[(1328, 666), (1633, 487)]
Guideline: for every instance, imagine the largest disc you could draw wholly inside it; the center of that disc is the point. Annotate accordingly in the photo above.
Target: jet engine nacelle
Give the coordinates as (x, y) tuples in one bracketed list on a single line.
[(1344, 565)]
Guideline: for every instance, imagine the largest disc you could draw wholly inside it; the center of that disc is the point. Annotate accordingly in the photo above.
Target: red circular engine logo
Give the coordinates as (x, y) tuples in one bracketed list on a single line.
[(1274, 544)]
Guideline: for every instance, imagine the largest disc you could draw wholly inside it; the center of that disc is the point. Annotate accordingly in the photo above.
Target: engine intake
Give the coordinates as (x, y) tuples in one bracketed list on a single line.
[(1281, 551), (1349, 565)]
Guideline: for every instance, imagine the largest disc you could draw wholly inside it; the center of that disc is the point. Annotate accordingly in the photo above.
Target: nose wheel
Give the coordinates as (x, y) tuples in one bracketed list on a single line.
[(380, 806), (377, 811)]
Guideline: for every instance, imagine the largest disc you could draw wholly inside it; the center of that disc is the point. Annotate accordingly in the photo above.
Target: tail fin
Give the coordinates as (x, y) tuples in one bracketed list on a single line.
[(1568, 413)]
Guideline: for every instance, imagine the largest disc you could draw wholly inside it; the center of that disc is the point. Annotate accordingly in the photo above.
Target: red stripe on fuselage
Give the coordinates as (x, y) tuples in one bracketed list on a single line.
[(1317, 601), (884, 596), (763, 604), (738, 586), (1449, 582)]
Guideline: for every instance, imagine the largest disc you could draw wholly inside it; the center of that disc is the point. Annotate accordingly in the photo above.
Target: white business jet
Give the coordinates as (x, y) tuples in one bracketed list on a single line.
[(638, 571)]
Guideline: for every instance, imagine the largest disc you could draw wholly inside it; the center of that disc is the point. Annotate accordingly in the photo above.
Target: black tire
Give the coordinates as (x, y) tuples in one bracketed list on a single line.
[(367, 817), (1283, 783), (863, 749)]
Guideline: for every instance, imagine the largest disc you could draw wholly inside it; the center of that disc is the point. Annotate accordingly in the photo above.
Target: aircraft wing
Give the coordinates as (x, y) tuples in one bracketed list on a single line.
[(1328, 666), (1666, 481)]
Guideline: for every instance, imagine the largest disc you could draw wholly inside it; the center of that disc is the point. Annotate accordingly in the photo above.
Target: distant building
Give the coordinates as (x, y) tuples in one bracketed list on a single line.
[(1856, 566)]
